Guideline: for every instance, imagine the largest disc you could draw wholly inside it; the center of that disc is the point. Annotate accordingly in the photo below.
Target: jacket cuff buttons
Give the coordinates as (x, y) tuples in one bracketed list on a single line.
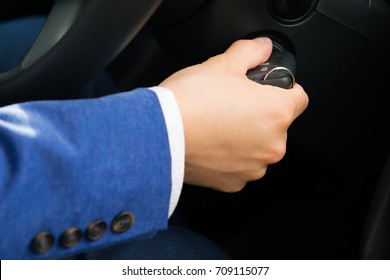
[(71, 237), (96, 230), (44, 241), (122, 222)]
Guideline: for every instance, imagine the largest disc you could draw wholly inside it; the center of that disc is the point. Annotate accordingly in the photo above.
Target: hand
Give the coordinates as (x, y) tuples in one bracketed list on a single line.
[(234, 127)]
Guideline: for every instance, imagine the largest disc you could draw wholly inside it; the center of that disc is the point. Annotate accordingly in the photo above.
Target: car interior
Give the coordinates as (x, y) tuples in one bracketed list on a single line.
[(329, 197)]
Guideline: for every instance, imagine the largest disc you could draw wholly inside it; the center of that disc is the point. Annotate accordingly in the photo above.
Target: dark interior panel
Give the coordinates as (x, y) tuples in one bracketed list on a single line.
[(20, 8), (312, 204), (322, 200)]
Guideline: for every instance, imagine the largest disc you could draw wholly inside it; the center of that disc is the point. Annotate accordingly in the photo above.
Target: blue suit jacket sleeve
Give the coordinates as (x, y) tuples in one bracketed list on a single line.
[(67, 164)]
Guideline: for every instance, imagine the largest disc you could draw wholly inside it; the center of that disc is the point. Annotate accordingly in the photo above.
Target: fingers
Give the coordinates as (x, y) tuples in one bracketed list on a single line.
[(300, 99), (246, 54)]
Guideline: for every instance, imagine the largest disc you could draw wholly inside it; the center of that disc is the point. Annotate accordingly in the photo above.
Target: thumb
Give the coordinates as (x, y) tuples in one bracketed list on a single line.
[(243, 55)]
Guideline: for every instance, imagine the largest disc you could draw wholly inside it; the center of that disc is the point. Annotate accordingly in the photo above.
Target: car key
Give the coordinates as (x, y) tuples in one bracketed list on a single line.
[(278, 70)]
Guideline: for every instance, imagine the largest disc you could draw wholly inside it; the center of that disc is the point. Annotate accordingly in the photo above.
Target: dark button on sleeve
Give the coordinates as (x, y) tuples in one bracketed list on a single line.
[(96, 230), (122, 222), (71, 237), (42, 242)]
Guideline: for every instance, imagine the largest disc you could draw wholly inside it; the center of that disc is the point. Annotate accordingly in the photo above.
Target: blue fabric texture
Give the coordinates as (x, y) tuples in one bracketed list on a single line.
[(176, 243), (68, 163)]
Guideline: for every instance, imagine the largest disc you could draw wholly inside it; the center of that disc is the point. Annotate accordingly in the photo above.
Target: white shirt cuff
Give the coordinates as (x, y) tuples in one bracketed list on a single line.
[(175, 130)]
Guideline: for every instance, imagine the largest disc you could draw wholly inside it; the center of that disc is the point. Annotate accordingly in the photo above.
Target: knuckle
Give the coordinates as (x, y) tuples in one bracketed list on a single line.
[(233, 187), (305, 99), (258, 174), (277, 152), (283, 119)]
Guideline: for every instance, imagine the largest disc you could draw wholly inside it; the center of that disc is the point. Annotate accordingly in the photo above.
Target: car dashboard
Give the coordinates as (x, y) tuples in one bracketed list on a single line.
[(323, 200)]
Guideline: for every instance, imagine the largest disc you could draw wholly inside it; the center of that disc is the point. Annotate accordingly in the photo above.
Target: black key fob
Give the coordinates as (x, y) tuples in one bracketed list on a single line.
[(278, 71)]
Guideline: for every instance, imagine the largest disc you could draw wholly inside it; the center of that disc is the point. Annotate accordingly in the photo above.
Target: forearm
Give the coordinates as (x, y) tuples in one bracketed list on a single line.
[(70, 163)]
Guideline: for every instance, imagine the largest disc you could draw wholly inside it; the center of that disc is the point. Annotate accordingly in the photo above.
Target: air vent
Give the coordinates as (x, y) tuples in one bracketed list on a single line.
[(291, 11)]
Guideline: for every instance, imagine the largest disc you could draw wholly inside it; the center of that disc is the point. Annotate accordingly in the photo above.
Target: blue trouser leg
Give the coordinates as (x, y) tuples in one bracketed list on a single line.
[(176, 243)]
